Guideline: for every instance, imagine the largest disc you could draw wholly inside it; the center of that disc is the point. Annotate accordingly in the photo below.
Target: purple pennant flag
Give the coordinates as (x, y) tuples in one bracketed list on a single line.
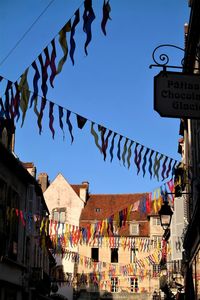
[(112, 146), (44, 76), (69, 125), (150, 163), (40, 116), (124, 151), (88, 18), (11, 107), (169, 168), (106, 15), (35, 82), (72, 41), (139, 158), (2, 111), (16, 102), (52, 63), (51, 118), (60, 111), (7, 100), (164, 168), (119, 147), (145, 161)]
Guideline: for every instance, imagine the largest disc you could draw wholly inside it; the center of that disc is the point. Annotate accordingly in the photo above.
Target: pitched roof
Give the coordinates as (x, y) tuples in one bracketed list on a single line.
[(109, 204)]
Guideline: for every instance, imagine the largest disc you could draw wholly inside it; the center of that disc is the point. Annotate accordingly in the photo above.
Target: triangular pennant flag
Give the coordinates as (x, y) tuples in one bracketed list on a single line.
[(80, 121)]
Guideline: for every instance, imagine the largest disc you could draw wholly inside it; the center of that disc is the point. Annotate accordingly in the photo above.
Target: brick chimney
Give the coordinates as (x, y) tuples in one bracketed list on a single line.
[(43, 180), (84, 190)]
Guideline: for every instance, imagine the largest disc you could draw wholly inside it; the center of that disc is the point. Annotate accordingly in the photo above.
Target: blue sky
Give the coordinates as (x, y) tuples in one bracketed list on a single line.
[(112, 86)]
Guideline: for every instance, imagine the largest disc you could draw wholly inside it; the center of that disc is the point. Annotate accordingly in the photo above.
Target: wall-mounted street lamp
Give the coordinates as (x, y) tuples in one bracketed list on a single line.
[(165, 214)]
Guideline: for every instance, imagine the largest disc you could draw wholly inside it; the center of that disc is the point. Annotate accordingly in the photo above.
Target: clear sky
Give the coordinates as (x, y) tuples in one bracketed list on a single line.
[(112, 86)]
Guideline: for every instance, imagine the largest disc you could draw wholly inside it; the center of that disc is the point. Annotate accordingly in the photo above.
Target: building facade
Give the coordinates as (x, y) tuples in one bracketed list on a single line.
[(191, 158), (65, 203), (24, 255), (120, 259)]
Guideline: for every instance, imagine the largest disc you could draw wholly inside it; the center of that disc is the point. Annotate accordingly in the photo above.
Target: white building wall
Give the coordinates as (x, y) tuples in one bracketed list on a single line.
[(61, 194), (177, 226)]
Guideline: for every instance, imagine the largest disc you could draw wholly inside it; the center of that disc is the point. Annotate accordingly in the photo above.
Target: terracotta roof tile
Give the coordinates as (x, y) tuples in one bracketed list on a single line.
[(108, 204)]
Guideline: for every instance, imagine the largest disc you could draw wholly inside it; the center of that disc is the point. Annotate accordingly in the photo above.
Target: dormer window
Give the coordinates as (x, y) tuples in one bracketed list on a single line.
[(134, 229), (97, 209)]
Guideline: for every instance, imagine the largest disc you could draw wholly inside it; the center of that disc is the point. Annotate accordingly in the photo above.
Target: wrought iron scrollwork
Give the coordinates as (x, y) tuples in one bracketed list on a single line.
[(164, 59)]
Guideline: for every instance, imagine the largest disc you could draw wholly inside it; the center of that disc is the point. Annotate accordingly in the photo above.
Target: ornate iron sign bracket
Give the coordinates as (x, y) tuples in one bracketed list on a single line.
[(163, 59)]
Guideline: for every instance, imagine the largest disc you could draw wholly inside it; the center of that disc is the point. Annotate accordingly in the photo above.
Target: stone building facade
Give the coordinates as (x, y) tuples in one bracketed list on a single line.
[(24, 255)]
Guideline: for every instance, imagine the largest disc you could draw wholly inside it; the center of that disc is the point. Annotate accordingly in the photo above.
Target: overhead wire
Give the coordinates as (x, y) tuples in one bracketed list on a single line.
[(25, 33)]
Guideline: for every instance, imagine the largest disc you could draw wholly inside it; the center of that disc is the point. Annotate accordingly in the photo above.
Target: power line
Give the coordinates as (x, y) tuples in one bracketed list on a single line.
[(25, 33)]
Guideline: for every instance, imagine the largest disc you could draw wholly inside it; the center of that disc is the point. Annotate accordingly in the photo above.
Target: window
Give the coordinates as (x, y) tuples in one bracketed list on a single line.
[(157, 241), (30, 198), (95, 254), (12, 226), (133, 252), (156, 270), (134, 284), (156, 222), (2, 216), (97, 209), (114, 255), (59, 214), (114, 284), (134, 229)]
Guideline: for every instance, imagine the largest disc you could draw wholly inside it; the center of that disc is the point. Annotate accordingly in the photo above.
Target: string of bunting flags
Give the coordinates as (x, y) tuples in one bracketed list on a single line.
[(71, 235), (107, 141), (101, 233), (127, 269), (18, 97), (48, 64)]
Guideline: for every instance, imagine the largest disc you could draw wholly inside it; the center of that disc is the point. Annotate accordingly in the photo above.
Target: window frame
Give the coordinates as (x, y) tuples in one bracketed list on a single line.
[(59, 211), (114, 257), (93, 249), (114, 284)]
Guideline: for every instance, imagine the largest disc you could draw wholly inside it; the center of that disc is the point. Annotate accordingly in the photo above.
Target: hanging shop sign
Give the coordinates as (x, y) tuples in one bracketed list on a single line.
[(177, 95)]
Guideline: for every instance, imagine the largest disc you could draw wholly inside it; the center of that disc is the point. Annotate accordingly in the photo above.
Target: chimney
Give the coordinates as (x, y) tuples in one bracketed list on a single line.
[(43, 180), (84, 188)]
